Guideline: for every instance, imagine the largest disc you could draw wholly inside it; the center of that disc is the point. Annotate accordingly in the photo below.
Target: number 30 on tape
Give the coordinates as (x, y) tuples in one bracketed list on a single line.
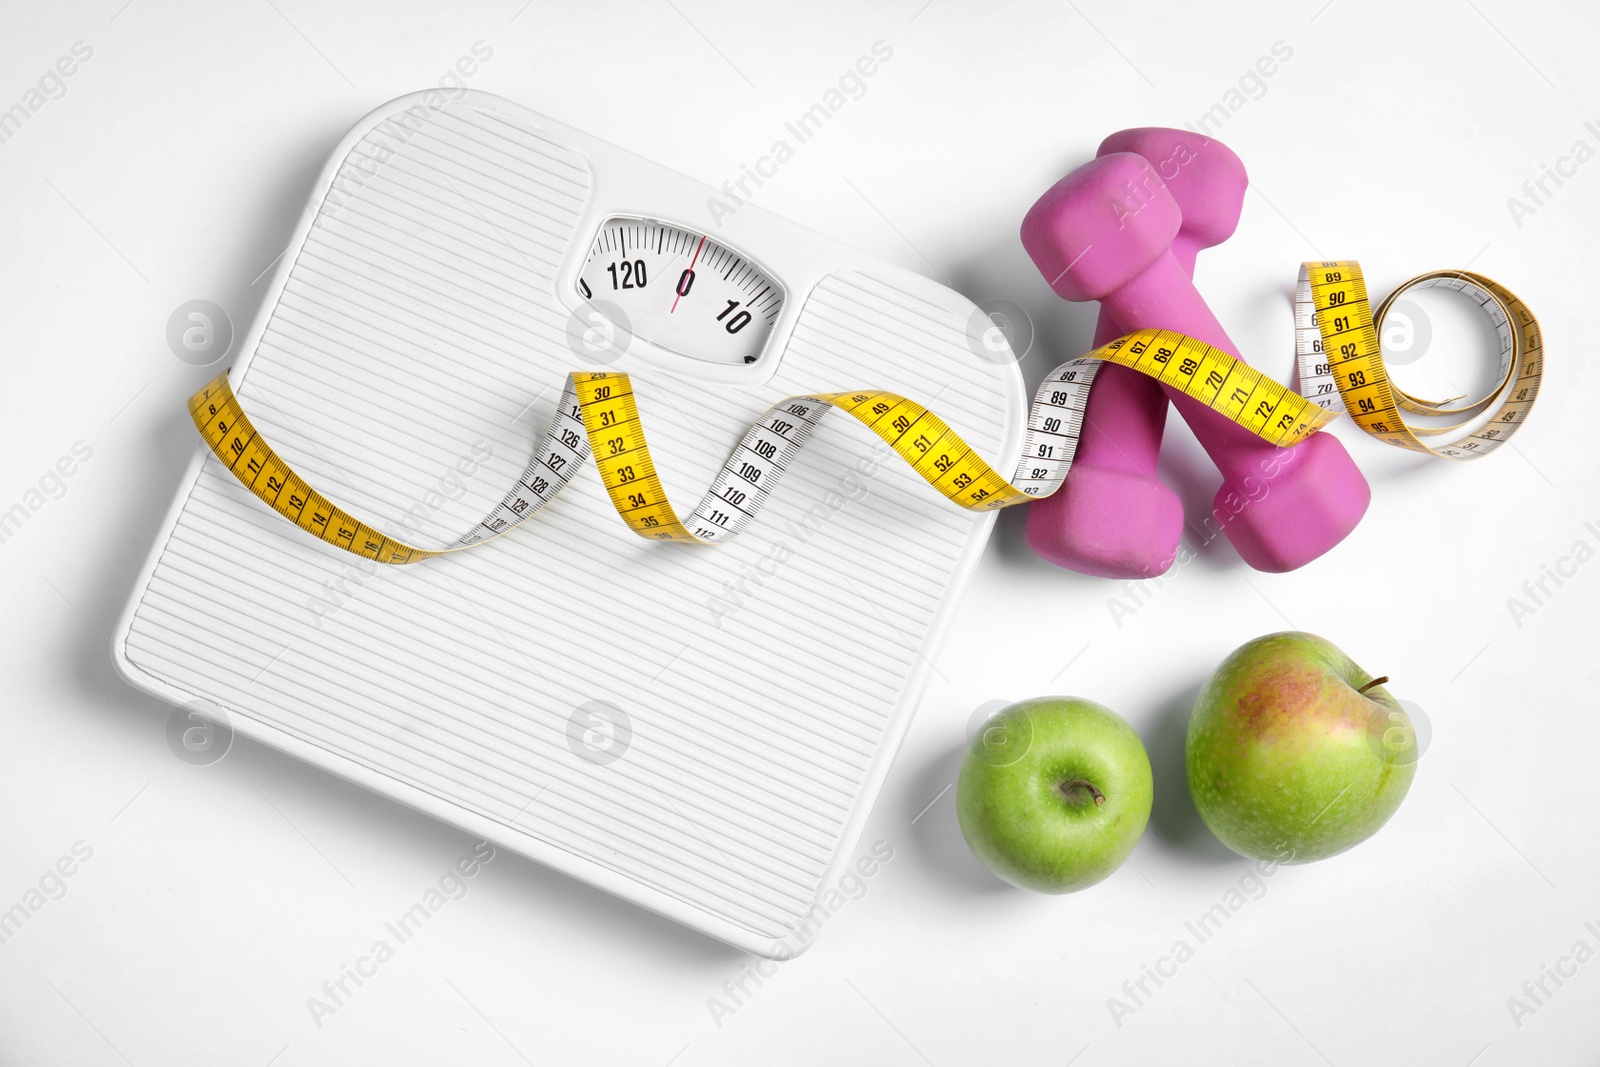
[(598, 416)]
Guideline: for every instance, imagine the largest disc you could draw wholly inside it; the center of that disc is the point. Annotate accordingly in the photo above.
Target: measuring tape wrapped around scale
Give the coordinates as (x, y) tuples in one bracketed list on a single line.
[(1340, 360)]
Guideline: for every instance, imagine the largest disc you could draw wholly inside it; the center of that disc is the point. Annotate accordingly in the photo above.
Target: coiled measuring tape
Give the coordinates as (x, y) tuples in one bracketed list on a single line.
[(597, 416), (1336, 341)]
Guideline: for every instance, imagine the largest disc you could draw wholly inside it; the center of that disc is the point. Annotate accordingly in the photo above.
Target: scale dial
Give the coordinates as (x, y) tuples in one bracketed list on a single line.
[(680, 290)]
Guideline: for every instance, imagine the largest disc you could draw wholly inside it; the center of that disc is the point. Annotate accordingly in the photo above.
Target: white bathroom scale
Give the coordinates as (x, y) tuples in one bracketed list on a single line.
[(700, 729)]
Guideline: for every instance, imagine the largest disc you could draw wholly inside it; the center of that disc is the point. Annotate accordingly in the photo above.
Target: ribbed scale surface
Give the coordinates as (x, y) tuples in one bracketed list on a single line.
[(418, 322)]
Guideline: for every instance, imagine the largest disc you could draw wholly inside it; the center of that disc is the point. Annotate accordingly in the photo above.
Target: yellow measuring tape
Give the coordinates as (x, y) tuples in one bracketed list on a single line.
[(598, 416), (1336, 338)]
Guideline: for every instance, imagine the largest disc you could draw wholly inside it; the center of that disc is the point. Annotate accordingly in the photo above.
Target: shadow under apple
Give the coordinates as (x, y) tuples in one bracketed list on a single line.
[(1174, 820), (936, 833)]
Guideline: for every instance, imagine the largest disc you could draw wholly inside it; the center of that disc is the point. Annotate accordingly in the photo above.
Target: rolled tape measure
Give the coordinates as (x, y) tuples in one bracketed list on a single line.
[(1337, 343)]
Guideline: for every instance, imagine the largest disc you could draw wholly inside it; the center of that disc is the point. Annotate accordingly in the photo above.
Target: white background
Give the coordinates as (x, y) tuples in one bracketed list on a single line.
[(219, 898)]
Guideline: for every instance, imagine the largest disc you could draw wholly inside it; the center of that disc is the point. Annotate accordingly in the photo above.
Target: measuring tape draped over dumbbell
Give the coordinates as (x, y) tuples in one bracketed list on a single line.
[(1336, 340)]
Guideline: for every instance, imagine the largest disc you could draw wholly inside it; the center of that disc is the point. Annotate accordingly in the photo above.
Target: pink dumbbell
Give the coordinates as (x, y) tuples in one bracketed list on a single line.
[(1115, 518), (1281, 508)]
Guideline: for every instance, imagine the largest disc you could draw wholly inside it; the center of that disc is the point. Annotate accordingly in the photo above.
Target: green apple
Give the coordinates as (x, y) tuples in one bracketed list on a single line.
[(1295, 753), (1054, 793)]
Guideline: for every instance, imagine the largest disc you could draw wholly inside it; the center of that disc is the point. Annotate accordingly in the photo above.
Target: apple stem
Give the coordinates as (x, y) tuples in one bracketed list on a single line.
[(1069, 790), (1376, 681)]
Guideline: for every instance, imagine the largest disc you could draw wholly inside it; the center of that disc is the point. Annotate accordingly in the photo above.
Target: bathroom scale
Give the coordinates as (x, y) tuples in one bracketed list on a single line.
[(699, 729)]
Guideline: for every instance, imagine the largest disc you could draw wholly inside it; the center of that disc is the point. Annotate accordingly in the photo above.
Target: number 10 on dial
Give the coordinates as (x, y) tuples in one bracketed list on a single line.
[(681, 290)]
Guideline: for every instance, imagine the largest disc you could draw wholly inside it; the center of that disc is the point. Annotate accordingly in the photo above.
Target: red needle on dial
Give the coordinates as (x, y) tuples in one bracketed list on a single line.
[(692, 262)]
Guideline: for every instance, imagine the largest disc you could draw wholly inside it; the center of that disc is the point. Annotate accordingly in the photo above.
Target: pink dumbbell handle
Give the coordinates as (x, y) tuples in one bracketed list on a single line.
[(1164, 297), (1124, 419), (1185, 249), (1134, 404), (1128, 409)]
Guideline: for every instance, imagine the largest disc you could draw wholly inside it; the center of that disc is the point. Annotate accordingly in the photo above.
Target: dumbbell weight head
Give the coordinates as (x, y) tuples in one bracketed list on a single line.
[(1206, 179), (1113, 518), (1101, 227)]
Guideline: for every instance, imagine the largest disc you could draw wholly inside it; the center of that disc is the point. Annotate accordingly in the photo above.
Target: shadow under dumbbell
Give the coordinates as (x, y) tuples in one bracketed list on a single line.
[(1186, 467)]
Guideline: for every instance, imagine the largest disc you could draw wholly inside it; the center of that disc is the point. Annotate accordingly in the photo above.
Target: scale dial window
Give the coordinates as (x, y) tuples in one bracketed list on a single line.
[(681, 290)]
